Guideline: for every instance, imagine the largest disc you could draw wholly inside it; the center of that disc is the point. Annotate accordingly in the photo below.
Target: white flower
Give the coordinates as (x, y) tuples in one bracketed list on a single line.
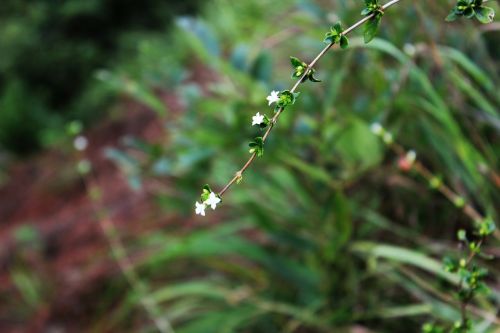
[(274, 97), (80, 143), (257, 119), (377, 129), (200, 208), (411, 156), (212, 200)]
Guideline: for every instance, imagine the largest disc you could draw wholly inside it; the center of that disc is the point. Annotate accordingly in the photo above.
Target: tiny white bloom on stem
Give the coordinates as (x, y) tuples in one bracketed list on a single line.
[(411, 156), (200, 208), (274, 97), (80, 143), (212, 200), (257, 119), (377, 129)]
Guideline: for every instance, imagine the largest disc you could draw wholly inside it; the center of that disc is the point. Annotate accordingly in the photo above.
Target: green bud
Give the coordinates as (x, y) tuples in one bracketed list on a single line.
[(462, 263), (435, 183), (287, 98), (486, 227), (74, 128), (461, 235), (459, 202), (257, 147), (336, 36), (84, 167)]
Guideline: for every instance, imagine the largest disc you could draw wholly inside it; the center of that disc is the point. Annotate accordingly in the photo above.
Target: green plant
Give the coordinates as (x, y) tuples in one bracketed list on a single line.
[(330, 214), (336, 35)]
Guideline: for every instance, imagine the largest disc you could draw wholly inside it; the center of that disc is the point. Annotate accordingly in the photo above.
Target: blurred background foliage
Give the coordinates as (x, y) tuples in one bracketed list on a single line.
[(50, 51), (325, 234)]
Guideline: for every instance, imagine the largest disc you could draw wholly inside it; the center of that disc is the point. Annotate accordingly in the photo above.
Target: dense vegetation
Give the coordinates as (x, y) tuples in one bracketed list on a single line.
[(50, 51), (329, 231)]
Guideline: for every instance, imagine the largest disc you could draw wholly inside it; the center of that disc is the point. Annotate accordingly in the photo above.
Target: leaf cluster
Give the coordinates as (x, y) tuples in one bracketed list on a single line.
[(372, 7), (471, 9), (336, 36), (300, 68)]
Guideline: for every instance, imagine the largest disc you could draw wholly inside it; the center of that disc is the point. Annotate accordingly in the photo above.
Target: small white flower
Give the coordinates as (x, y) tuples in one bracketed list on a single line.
[(411, 156), (80, 143), (257, 119), (212, 200), (410, 49), (200, 208), (274, 97), (377, 129)]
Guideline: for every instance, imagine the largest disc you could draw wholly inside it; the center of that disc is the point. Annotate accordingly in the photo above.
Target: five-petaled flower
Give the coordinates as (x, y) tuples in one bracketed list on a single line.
[(212, 200), (200, 208), (257, 119), (273, 97)]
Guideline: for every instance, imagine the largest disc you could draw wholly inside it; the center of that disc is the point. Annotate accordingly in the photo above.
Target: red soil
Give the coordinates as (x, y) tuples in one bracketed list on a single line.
[(71, 260)]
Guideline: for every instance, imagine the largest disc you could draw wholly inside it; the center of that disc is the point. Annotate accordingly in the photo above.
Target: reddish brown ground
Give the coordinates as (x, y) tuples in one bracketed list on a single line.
[(71, 260)]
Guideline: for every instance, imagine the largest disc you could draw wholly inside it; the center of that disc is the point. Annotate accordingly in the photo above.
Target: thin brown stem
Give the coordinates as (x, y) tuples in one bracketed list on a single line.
[(274, 120), (451, 195), (119, 253)]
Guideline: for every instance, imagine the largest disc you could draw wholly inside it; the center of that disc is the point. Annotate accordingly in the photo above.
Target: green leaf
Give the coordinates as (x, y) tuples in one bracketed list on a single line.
[(469, 13), (485, 14), (405, 256), (344, 42), (265, 123), (296, 62), (334, 35), (300, 68), (365, 11), (257, 147), (311, 77), (206, 192), (371, 28), (452, 16), (287, 98)]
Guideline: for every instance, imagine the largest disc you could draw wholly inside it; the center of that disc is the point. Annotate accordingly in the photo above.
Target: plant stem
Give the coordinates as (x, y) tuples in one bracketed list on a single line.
[(451, 195), (273, 121), (464, 302), (120, 255)]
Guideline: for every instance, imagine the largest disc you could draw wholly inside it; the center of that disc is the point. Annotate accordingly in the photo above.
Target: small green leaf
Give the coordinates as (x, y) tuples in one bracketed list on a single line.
[(334, 35), (296, 62), (257, 147), (344, 42), (365, 11), (452, 16), (311, 77), (206, 192), (371, 28), (485, 14), (265, 123)]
